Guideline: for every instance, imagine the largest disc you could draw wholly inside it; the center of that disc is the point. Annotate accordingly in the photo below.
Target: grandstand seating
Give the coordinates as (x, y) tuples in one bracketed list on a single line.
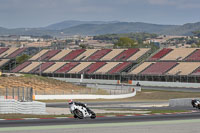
[(49, 54), (107, 67), (3, 62), (178, 54), (141, 67), (30, 67), (126, 54), (139, 54), (38, 55), (20, 67), (2, 50), (158, 68), (60, 55), (195, 56), (67, 67), (73, 54), (161, 54), (196, 72), (93, 67), (119, 67), (8, 52), (16, 53), (112, 54), (54, 67), (184, 68), (42, 67), (80, 67), (86, 54), (98, 54)]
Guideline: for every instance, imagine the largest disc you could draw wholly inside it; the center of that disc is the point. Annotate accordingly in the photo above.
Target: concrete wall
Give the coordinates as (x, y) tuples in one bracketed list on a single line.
[(114, 87), (182, 102), (97, 81), (167, 84), (8, 106), (54, 97)]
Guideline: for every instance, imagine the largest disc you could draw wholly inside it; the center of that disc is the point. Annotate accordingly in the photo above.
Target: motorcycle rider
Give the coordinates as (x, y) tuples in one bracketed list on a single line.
[(79, 104)]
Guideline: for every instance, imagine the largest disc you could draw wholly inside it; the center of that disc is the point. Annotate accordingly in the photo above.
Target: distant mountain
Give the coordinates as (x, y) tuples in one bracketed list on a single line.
[(120, 27), (185, 29), (72, 23), (102, 27)]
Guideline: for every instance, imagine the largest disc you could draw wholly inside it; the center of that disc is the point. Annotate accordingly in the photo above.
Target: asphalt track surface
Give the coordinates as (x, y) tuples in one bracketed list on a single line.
[(175, 123), (119, 119)]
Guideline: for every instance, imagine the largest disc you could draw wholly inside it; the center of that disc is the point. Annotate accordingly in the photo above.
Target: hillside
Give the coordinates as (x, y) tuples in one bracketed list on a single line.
[(72, 23), (101, 27), (41, 85), (121, 27)]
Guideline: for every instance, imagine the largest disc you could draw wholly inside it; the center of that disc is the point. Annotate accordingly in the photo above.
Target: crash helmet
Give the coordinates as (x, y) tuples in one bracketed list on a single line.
[(70, 101)]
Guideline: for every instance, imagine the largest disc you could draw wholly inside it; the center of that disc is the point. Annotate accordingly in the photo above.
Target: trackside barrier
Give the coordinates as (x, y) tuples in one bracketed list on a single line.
[(182, 102), (167, 84), (8, 106), (60, 97), (121, 87), (94, 81)]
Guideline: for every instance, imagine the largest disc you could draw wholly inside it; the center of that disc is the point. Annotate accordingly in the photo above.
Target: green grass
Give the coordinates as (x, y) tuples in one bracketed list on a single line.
[(167, 111)]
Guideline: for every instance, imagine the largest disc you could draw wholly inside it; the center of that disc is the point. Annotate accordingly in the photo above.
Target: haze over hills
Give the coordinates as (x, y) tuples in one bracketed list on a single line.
[(73, 27), (72, 23)]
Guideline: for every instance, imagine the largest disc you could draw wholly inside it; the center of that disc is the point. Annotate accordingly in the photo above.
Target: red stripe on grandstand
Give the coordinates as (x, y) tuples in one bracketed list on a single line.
[(196, 72), (49, 54), (93, 67), (126, 54), (20, 67), (16, 52), (119, 67), (194, 56), (161, 54), (73, 54), (159, 68), (67, 67), (42, 67), (2, 50), (98, 55)]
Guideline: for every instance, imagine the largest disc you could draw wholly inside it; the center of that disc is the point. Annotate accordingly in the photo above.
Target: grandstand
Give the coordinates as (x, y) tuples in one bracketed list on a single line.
[(177, 64), (82, 61), (8, 55), (167, 64), (90, 55)]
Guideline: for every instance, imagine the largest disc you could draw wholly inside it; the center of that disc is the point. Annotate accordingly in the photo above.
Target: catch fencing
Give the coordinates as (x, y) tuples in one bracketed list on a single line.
[(17, 93)]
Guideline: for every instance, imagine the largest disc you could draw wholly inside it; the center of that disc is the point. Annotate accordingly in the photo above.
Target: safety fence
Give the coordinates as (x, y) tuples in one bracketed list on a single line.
[(17, 93)]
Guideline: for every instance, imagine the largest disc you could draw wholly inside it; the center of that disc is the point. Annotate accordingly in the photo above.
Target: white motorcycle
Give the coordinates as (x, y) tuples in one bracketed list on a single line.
[(80, 110), (195, 103)]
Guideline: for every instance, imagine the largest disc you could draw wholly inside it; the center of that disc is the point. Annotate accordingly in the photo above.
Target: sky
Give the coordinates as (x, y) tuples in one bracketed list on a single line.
[(39, 13)]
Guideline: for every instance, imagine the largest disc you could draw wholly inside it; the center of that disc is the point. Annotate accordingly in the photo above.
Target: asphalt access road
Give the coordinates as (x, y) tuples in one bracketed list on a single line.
[(89, 104), (171, 89), (98, 120), (117, 105)]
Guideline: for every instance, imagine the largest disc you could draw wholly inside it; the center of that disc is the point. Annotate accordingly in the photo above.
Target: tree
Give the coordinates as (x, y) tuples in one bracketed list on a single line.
[(83, 46), (125, 42), (196, 33), (198, 44), (22, 58)]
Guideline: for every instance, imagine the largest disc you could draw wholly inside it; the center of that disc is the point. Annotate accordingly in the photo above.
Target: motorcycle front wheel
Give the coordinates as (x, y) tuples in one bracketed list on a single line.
[(78, 113)]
